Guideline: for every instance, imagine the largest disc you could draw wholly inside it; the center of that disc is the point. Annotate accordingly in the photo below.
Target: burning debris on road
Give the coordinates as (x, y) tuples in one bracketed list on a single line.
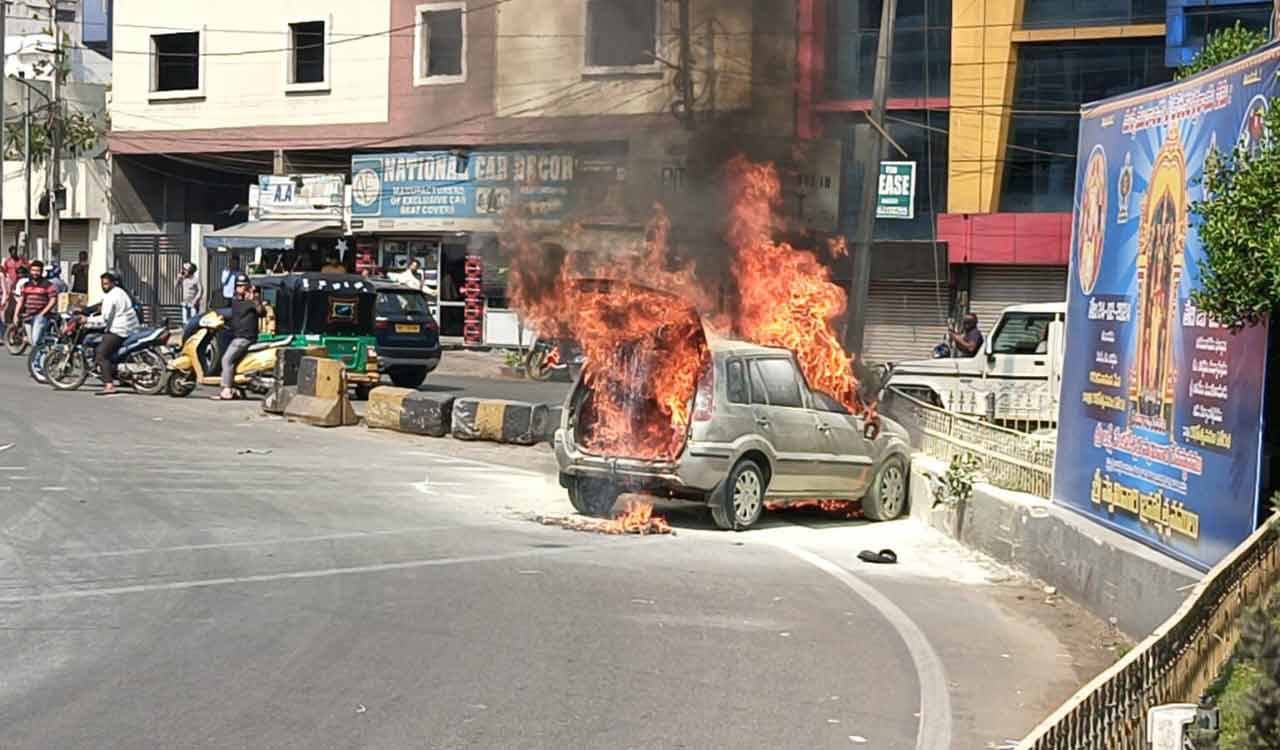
[(636, 518), (841, 509)]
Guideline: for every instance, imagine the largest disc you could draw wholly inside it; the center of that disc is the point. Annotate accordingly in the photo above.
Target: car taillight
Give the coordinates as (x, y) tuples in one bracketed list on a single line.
[(432, 326), (704, 400), (381, 323)]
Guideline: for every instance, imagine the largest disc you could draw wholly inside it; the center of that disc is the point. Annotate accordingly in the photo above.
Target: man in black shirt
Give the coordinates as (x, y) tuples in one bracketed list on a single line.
[(246, 310)]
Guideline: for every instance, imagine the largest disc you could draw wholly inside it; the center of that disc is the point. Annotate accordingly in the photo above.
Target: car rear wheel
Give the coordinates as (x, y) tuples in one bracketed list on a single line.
[(739, 502), (887, 498), (593, 497), (408, 377)]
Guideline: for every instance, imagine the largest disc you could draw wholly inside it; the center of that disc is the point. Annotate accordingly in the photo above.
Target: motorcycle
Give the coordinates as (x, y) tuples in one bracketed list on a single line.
[(141, 361), (53, 334), (199, 360), (547, 357), (15, 339)]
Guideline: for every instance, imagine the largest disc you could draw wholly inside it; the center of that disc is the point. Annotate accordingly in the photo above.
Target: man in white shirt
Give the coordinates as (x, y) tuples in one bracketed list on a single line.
[(120, 320)]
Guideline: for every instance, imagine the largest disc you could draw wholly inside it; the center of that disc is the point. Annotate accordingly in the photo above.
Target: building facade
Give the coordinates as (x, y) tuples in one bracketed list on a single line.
[(985, 96), (435, 113)]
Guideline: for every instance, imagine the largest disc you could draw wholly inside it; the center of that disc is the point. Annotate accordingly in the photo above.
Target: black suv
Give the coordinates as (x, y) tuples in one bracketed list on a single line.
[(408, 335)]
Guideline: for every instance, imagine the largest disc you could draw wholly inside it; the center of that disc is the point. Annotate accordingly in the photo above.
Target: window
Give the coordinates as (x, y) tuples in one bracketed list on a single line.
[(1065, 13), (736, 383), (307, 54), (921, 48), (402, 303), (1053, 80), (622, 34), (780, 382), (175, 62), (759, 394), (1022, 333), (440, 44)]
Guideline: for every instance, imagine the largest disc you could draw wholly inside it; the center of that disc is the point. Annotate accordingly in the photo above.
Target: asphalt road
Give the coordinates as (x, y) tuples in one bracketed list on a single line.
[(160, 588)]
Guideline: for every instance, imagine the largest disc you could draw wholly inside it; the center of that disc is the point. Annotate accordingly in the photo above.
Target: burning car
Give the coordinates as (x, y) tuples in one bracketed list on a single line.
[(751, 431)]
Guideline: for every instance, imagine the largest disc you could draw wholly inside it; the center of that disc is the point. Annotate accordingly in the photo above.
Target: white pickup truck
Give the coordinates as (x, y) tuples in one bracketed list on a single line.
[(1014, 380)]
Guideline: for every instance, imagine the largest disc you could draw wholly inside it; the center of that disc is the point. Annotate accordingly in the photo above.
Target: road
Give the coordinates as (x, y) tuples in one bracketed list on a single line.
[(161, 588)]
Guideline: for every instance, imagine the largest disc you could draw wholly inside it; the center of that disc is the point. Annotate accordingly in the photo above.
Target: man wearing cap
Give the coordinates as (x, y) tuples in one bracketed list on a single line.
[(246, 311)]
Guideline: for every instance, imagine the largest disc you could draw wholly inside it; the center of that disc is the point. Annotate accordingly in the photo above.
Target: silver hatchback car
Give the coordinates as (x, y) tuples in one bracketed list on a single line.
[(759, 435)]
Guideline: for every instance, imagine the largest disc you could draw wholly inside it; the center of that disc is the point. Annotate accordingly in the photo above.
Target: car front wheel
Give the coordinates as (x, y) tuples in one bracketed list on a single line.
[(739, 502), (887, 498)]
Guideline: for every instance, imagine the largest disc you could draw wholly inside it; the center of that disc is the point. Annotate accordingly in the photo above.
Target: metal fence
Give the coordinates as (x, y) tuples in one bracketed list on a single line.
[(1175, 664), (1009, 458), (1024, 409)]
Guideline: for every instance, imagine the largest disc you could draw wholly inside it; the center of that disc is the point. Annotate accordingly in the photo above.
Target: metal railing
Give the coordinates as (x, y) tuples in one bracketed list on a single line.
[(1173, 665), (1008, 458)]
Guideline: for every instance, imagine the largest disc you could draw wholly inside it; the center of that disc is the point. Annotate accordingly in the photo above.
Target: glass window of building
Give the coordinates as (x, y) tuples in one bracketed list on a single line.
[(1058, 13), (1203, 20), (1053, 80), (921, 48)]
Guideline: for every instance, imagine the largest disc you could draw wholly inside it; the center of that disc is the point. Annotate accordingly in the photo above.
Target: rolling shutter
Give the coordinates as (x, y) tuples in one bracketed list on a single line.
[(905, 320), (75, 239), (997, 287)]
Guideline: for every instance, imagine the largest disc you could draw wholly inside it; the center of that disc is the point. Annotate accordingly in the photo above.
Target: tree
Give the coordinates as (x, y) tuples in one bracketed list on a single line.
[(1240, 216), (1221, 46)]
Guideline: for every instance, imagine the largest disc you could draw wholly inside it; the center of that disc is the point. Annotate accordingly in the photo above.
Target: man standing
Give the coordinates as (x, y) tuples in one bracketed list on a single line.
[(38, 299), (229, 276), (80, 275), (117, 316), (9, 280), (411, 276), (968, 341), (246, 311), (189, 291)]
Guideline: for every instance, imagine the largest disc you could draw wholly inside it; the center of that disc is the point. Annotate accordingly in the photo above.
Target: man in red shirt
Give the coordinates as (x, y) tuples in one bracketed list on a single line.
[(9, 279), (38, 298)]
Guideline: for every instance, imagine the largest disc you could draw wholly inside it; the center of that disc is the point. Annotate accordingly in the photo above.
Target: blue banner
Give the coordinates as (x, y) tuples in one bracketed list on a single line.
[(1160, 429), (472, 190)]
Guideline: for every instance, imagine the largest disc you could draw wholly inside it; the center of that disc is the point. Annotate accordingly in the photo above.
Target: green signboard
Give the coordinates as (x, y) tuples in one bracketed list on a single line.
[(896, 196)]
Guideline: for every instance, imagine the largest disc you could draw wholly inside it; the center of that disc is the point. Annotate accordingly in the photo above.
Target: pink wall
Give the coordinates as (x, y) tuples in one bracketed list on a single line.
[(1038, 239)]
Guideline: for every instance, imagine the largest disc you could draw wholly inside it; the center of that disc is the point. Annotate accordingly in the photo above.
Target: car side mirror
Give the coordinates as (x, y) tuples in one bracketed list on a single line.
[(989, 349)]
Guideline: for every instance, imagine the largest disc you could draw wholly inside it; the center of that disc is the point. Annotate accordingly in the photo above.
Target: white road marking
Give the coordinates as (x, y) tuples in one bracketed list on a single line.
[(53, 489), (13, 468), (291, 576), (6, 447), (260, 542), (934, 732)]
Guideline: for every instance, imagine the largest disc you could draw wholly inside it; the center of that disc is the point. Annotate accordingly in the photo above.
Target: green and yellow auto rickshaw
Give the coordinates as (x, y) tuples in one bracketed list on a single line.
[(334, 312)]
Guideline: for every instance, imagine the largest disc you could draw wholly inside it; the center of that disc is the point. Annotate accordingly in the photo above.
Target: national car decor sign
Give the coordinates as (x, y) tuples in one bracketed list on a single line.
[(896, 193), (1160, 428), (447, 189)]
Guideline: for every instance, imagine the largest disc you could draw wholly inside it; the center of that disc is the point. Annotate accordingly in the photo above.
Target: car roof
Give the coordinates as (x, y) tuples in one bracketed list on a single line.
[(723, 345), (1039, 307), (313, 282)]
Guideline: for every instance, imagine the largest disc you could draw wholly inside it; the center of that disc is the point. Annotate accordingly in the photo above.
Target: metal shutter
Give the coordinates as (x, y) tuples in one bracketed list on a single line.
[(997, 287), (75, 239), (905, 320)]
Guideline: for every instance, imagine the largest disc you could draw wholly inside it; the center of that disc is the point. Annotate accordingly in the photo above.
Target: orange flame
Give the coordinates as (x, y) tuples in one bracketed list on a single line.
[(787, 297), (636, 518)]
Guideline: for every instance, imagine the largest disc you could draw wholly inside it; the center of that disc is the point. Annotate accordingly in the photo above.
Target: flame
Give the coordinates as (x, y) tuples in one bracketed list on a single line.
[(636, 518), (788, 299), (840, 508)]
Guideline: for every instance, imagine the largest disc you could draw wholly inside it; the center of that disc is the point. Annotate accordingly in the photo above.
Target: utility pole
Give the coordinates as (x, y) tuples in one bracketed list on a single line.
[(54, 168), (26, 157), (872, 151), (686, 64), (4, 109)]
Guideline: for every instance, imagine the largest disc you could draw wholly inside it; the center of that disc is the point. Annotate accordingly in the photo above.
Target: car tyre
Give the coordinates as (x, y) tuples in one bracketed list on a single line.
[(593, 497), (739, 502), (408, 377), (887, 498)]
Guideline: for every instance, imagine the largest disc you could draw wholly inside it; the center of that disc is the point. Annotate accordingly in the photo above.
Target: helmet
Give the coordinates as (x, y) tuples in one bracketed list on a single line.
[(242, 280)]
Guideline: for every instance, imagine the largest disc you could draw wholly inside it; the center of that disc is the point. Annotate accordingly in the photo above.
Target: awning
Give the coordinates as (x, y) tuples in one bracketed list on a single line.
[(270, 234)]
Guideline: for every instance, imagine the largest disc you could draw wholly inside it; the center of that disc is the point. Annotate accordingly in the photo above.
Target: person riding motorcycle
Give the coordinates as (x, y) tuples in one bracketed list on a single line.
[(117, 316), (246, 311)]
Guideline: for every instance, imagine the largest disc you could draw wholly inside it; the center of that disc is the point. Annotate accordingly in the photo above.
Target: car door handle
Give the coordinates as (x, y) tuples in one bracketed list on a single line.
[(824, 428), (1039, 363), (762, 421)]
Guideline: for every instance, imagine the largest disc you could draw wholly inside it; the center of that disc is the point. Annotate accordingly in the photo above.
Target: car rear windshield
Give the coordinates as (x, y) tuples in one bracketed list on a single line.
[(399, 303)]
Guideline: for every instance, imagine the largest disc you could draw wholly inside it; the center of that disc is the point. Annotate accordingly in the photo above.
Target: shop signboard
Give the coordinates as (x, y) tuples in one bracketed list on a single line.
[(896, 190), (1160, 430), (450, 190), (307, 196)]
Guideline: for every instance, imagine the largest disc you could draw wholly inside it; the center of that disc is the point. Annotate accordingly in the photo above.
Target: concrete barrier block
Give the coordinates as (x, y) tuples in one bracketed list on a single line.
[(499, 421), (278, 398), (321, 398), (320, 411), (384, 408), (427, 414)]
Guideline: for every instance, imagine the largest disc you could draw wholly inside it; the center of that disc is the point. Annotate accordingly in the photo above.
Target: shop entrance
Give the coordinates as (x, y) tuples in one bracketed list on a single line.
[(443, 261)]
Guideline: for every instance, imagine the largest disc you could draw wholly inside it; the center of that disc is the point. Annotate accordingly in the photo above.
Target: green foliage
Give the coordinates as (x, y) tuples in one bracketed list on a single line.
[(956, 485), (81, 134), (1222, 46), (1249, 695), (1240, 229)]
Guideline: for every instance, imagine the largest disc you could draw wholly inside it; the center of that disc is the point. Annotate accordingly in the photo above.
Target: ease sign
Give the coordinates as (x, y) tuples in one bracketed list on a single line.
[(896, 193)]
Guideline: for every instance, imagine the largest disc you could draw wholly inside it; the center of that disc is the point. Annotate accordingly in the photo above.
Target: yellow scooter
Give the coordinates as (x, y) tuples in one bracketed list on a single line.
[(199, 361)]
